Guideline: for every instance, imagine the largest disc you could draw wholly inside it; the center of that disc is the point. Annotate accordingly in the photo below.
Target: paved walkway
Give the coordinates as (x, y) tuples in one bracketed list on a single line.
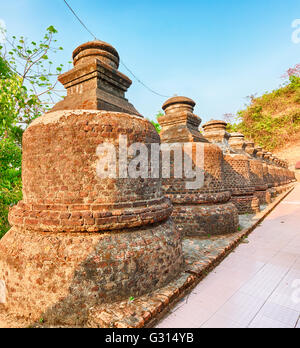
[(257, 286)]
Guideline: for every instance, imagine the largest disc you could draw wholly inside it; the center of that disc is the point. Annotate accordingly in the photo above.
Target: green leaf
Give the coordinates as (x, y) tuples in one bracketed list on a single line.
[(52, 30)]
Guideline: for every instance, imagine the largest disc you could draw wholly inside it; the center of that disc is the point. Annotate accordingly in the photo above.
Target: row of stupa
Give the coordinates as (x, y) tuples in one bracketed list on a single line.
[(77, 240), (239, 177)]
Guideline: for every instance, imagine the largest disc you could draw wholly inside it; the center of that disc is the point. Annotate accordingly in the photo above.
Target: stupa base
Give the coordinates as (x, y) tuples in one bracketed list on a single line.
[(264, 197), (272, 192), (58, 277), (280, 189), (203, 220), (246, 204)]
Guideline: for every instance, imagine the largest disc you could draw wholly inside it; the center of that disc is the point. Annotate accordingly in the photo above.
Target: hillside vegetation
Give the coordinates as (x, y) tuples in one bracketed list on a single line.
[(273, 119)]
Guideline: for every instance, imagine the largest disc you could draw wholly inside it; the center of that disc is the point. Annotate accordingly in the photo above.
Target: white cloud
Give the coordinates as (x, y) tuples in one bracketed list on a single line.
[(2, 31)]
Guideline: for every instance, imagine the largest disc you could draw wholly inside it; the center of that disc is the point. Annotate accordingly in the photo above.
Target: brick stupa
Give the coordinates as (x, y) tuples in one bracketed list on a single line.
[(78, 240), (280, 175), (257, 174), (269, 173), (264, 172), (236, 167), (95, 82), (204, 210), (274, 173), (237, 143)]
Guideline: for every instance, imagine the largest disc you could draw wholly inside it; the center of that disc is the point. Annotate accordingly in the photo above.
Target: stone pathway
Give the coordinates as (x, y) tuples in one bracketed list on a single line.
[(257, 286)]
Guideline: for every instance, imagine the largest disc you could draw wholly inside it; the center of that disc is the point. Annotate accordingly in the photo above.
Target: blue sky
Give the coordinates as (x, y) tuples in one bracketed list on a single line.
[(215, 52)]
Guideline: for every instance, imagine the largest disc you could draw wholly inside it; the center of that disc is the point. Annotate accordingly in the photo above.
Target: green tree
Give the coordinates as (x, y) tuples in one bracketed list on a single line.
[(27, 89), (4, 69), (28, 83)]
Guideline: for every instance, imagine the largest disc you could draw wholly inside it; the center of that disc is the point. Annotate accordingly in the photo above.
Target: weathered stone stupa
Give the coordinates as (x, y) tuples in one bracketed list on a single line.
[(274, 173), (261, 154), (269, 173), (290, 174), (204, 210), (236, 166), (256, 174), (264, 172), (248, 204), (278, 179), (283, 174), (95, 83), (78, 239)]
